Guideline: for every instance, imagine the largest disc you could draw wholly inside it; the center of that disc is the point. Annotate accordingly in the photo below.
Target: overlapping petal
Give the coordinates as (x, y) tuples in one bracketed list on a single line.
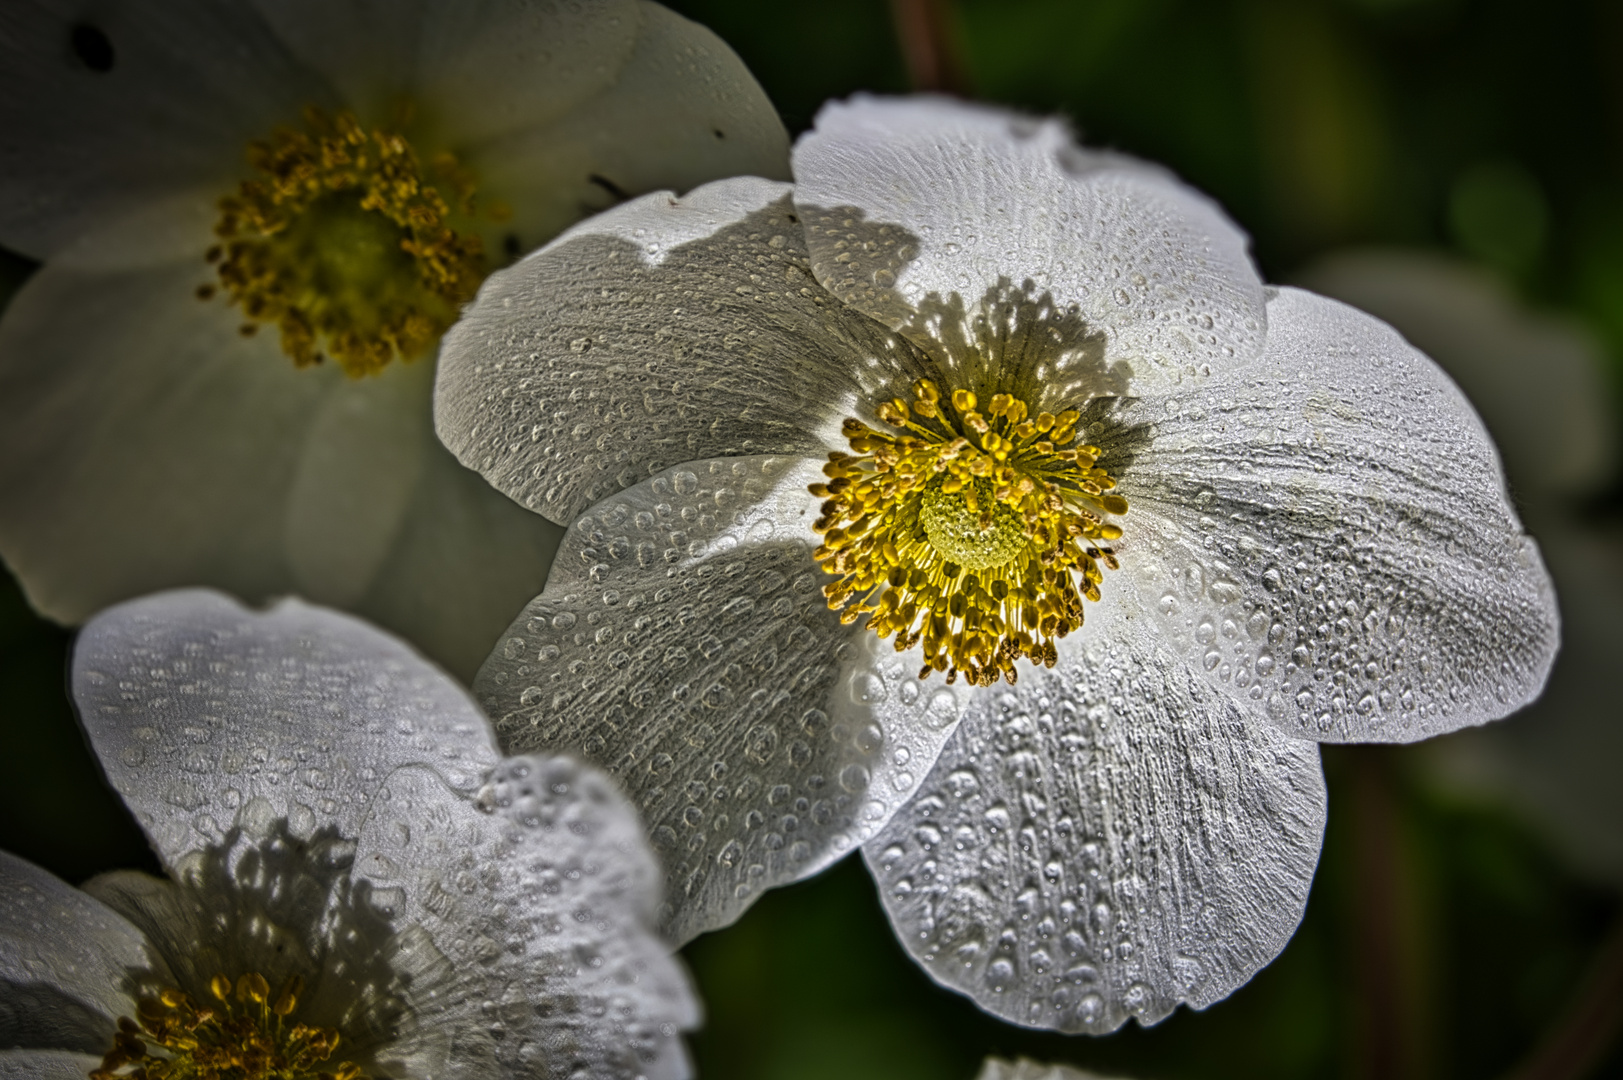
[(66, 965), (683, 646), (682, 109), (1536, 379), (1104, 840), (109, 107), (909, 201), (491, 65), (663, 331), (539, 900), (1326, 535), (206, 715)]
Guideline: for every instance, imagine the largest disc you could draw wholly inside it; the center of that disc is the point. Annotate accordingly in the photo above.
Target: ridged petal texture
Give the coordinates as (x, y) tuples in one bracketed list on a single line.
[(682, 645), (1325, 534), (666, 330), (203, 711), (909, 201), (1104, 840), (331, 806)]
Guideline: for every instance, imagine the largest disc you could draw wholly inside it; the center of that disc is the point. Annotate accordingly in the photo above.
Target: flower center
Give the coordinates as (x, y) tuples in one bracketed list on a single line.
[(975, 533), (243, 1034), (344, 242)]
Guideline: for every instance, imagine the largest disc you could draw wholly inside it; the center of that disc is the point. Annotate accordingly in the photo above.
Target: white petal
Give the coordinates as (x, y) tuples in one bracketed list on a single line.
[(1103, 841), (1555, 762), (356, 476), (474, 67), (206, 715), (682, 110), (465, 560), (1326, 535), (1536, 379), (537, 901), (143, 442), (662, 331), (65, 963), (190, 83), (920, 209), (682, 645), (47, 1064)]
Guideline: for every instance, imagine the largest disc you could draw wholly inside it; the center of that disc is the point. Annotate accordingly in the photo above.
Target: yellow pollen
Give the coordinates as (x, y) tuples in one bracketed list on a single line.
[(243, 1033), (343, 242), (977, 533)]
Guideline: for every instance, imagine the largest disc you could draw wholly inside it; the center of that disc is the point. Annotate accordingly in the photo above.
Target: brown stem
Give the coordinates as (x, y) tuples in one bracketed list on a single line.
[(930, 45), (1576, 1042), (1389, 967)]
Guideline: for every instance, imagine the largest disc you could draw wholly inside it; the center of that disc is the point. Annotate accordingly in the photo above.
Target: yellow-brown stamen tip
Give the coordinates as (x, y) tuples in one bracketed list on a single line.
[(971, 553), (344, 241), (239, 1038)]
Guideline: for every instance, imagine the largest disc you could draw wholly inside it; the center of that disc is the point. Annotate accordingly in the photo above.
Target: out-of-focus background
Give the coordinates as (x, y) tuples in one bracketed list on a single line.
[(1456, 165)]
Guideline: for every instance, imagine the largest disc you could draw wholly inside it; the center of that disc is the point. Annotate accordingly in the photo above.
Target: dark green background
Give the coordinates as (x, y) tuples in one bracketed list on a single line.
[(1440, 940)]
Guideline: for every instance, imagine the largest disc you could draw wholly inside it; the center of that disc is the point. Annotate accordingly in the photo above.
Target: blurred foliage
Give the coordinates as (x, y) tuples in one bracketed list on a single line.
[(1440, 939)]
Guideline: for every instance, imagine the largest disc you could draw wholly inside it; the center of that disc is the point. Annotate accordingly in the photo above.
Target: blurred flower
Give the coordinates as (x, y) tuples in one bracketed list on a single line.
[(243, 209), (1026, 1069), (1540, 386), (358, 884), (1318, 547)]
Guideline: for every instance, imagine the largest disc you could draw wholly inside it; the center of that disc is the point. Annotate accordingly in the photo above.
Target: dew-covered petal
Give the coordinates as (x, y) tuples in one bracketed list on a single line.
[(1326, 537), (464, 561), (538, 955), (206, 715), (909, 203), (1103, 841), (682, 644), (1538, 381), (48, 1064), (109, 106), (665, 330), (65, 962), (682, 110), (474, 68), (144, 443)]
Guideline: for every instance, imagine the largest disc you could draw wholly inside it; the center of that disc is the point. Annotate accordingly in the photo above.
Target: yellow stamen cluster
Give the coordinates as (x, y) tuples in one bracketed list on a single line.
[(976, 533), (243, 1034), (343, 242)]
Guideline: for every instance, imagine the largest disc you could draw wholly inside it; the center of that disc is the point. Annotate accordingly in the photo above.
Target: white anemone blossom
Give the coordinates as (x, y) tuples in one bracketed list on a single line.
[(847, 463), (256, 219), (358, 884)]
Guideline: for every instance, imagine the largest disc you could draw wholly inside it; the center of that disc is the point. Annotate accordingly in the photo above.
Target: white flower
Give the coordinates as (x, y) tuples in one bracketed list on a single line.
[(1026, 1069), (355, 875), (1539, 383), (1318, 548), (144, 441)]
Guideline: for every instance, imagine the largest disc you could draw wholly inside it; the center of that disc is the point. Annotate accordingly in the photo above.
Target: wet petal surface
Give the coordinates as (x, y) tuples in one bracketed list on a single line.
[(682, 645)]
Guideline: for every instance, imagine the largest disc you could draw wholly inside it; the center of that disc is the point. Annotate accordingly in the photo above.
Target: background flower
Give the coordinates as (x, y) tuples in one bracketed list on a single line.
[(1317, 546), (146, 442), (330, 809)]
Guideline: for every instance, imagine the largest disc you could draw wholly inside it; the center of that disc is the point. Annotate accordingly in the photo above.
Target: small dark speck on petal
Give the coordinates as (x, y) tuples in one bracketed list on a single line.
[(92, 47)]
